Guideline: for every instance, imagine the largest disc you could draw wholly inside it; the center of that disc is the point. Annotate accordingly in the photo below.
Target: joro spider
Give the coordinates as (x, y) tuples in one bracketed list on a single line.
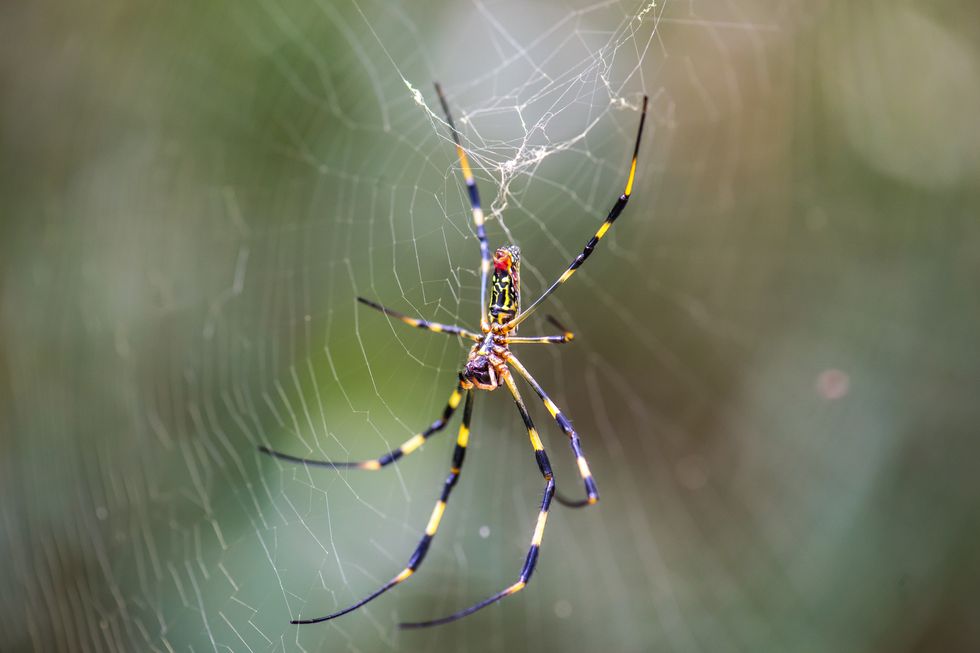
[(487, 367)]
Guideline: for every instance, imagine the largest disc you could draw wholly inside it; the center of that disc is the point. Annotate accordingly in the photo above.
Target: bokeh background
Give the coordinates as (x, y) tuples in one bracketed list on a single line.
[(775, 376)]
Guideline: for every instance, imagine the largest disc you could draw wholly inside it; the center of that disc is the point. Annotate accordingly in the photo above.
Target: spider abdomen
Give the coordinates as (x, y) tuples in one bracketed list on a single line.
[(505, 285)]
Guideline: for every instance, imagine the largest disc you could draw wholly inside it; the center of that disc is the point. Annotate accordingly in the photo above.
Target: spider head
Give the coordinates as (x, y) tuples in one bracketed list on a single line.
[(506, 258), (479, 372)]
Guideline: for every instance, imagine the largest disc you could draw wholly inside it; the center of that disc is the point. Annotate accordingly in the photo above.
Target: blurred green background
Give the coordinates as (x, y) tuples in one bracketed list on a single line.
[(776, 370)]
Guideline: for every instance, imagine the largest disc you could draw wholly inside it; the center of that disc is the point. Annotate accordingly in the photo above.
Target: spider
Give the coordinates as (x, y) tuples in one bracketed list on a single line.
[(487, 368)]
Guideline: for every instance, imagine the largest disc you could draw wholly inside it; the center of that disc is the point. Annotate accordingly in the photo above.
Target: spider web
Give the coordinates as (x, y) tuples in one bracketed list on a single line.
[(752, 421)]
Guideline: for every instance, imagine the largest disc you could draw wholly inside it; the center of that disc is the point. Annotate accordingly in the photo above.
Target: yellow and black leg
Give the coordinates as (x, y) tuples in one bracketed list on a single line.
[(532, 555), (422, 548), (408, 447), (591, 491), (419, 323), (478, 219), (566, 336), (603, 228)]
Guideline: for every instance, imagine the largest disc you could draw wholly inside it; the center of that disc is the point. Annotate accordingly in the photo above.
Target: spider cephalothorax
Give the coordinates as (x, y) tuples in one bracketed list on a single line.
[(487, 368)]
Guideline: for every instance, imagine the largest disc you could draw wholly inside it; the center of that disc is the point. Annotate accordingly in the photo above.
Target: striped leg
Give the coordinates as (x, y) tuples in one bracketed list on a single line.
[(410, 445), (532, 555), (566, 336), (430, 530), (418, 323), (603, 228), (592, 492), (474, 193)]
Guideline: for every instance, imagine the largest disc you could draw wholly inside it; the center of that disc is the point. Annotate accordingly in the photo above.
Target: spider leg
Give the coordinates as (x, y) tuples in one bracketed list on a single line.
[(419, 323), (430, 530), (408, 447), (566, 336), (532, 555), (603, 228), (591, 491), (478, 220)]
